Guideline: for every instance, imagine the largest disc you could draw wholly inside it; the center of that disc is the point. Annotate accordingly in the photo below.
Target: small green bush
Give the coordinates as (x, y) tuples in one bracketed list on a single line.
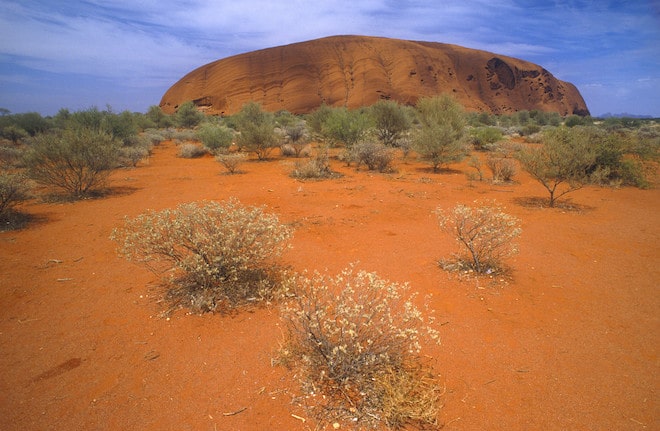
[(484, 137), (354, 342), (14, 189), (76, 161), (440, 139), (187, 115), (219, 255), (485, 231), (214, 137)]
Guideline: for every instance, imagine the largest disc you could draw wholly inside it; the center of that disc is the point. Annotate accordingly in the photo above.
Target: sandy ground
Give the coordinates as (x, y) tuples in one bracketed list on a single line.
[(570, 342)]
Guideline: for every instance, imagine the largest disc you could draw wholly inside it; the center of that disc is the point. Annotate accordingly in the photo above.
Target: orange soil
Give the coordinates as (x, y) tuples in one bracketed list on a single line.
[(570, 342)]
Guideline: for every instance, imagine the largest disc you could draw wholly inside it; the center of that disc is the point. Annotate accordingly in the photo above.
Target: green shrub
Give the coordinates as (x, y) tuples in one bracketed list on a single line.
[(14, 189), (484, 137), (214, 137), (76, 161), (14, 133), (354, 342), (188, 116), (562, 162), (257, 130), (218, 255), (440, 138), (343, 126), (485, 231), (390, 121)]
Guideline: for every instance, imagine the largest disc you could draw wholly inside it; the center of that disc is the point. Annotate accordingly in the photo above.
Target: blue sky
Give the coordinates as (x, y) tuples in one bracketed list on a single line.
[(127, 53)]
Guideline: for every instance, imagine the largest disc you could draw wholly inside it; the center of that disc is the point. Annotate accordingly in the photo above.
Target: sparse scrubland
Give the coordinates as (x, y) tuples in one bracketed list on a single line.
[(353, 341)]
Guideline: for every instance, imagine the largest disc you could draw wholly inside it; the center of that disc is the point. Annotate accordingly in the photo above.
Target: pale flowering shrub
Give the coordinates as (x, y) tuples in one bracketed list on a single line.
[(354, 342), (218, 255), (486, 233)]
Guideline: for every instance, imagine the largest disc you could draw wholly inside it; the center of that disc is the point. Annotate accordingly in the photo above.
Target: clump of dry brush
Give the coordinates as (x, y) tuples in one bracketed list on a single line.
[(354, 342), (217, 255)]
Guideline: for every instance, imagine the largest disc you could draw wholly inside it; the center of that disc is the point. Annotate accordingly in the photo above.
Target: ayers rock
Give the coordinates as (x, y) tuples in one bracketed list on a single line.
[(356, 71)]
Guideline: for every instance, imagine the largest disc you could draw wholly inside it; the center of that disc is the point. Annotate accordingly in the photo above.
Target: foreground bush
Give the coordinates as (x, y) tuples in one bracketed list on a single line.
[(486, 233), (14, 189), (354, 343), (76, 161), (219, 255)]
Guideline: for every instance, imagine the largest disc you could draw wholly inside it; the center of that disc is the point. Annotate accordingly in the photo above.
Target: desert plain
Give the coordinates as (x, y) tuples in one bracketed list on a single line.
[(568, 341)]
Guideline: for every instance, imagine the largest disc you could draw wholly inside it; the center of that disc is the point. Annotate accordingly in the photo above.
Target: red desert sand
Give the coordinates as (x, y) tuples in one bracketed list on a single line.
[(569, 342)]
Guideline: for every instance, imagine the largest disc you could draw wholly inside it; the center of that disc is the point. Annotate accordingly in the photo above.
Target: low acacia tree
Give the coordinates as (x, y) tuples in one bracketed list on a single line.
[(390, 121), (77, 161), (219, 255), (257, 130), (561, 163), (354, 342), (439, 140), (486, 233), (344, 126), (215, 137), (187, 115)]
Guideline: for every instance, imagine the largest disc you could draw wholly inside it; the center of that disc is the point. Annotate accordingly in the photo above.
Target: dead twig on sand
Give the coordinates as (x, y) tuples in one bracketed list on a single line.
[(235, 412)]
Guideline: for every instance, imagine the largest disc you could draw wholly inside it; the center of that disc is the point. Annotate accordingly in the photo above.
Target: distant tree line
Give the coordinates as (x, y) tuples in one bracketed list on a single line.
[(73, 152)]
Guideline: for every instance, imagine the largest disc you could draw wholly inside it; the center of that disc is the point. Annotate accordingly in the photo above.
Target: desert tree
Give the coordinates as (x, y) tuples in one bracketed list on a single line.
[(440, 137), (14, 133), (344, 126), (14, 189), (256, 130), (215, 137), (390, 121), (484, 230), (187, 115), (316, 119), (76, 161), (561, 163), (158, 118)]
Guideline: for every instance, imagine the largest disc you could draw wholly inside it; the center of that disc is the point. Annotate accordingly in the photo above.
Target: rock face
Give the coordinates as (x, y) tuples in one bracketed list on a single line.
[(356, 71)]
